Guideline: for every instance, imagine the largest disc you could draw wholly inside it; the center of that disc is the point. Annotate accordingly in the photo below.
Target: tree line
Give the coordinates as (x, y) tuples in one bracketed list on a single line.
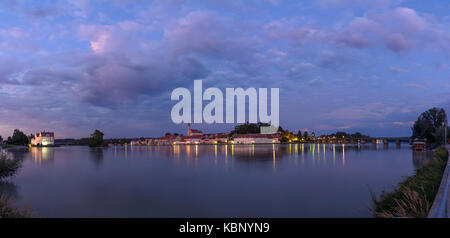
[(432, 125)]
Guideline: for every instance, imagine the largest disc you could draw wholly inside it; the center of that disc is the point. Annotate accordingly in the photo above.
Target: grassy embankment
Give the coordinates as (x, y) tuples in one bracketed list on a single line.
[(414, 196), (8, 167)]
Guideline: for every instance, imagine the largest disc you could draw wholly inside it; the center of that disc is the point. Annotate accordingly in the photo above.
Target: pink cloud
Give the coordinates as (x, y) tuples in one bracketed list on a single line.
[(329, 127)]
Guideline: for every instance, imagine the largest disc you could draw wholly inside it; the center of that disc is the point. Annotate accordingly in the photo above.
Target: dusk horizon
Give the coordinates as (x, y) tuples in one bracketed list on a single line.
[(71, 67)]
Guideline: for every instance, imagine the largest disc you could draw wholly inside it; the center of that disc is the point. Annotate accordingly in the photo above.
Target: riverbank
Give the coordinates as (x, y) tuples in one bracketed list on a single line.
[(13, 147), (414, 196), (8, 168), (8, 210)]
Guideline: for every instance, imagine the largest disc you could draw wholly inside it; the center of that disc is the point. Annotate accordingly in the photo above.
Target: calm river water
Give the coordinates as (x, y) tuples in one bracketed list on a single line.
[(207, 180)]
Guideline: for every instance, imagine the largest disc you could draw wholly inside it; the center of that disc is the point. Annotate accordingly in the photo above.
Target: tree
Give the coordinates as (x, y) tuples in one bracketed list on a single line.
[(429, 125), (96, 139), (18, 138), (249, 128), (299, 134), (8, 166), (305, 135)]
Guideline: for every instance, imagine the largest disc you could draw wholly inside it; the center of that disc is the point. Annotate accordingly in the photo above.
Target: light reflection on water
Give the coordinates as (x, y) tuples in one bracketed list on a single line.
[(294, 180)]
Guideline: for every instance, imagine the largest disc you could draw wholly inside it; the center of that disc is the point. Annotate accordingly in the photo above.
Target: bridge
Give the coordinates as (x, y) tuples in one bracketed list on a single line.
[(393, 139)]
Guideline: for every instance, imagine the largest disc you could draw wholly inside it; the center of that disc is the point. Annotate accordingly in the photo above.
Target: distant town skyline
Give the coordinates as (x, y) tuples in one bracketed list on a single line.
[(71, 67)]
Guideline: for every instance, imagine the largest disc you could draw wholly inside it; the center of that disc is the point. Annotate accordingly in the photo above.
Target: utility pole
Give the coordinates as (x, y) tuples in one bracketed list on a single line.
[(445, 132)]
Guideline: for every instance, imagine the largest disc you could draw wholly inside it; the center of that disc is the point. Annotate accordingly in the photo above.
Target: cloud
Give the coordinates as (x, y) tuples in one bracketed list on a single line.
[(330, 127), (112, 65), (398, 29), (42, 12), (210, 35), (403, 123), (398, 70), (358, 3)]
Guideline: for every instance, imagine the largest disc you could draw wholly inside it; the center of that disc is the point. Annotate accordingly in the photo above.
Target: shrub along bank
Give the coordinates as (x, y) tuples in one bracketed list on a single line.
[(414, 196)]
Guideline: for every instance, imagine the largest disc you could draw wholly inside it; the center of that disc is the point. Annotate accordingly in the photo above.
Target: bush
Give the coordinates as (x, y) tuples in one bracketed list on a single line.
[(8, 211), (415, 195), (8, 167)]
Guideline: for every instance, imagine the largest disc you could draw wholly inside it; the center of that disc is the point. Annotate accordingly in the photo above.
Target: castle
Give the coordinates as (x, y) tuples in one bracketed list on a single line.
[(43, 139)]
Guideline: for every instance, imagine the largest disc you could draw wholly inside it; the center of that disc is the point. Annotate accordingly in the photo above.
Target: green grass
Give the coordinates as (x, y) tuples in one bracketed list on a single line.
[(414, 196)]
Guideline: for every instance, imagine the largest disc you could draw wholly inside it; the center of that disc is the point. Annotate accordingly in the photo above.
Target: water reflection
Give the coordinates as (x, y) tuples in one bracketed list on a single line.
[(42, 155), (297, 180), (97, 155), (9, 190), (314, 154), (421, 157)]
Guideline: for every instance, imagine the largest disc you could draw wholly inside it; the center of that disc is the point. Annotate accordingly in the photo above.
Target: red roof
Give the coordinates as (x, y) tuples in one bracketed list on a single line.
[(46, 134), (196, 131)]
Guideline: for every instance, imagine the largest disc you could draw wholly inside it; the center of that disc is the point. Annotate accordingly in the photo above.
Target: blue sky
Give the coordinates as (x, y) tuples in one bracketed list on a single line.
[(75, 66)]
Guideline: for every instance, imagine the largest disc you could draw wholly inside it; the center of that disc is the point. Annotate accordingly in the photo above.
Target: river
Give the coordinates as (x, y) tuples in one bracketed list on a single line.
[(309, 180)]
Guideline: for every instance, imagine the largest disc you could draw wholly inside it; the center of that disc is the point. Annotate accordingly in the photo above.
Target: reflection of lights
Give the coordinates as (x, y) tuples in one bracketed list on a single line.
[(273, 160), (196, 151), (215, 155), (318, 152), (313, 151), (188, 152), (323, 151), (343, 154), (334, 153), (42, 154), (176, 151), (226, 157)]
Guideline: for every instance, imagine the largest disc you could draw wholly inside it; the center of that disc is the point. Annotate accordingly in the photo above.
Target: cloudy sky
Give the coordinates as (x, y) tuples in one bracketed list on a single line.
[(72, 66)]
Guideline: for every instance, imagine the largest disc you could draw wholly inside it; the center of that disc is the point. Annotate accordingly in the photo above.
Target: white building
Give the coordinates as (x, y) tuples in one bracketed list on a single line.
[(256, 139), (43, 139)]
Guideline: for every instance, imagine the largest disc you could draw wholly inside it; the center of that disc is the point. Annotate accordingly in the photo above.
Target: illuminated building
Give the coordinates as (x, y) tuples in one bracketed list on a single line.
[(256, 138), (43, 139), (193, 132)]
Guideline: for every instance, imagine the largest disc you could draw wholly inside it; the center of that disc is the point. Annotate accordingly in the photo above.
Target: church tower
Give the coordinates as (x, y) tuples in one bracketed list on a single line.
[(189, 129)]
